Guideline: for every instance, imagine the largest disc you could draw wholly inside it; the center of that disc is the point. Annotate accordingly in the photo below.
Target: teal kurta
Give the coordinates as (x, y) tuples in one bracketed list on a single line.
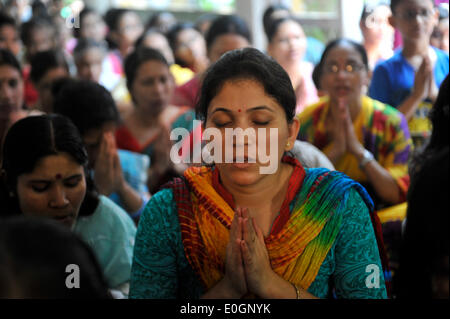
[(110, 232), (160, 268)]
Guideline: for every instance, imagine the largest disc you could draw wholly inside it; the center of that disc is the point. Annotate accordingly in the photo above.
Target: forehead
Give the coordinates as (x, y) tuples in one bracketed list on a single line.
[(7, 71), (91, 17), (48, 166), (129, 17), (93, 53), (289, 26), (186, 33), (152, 68), (343, 52), (242, 94), (8, 29)]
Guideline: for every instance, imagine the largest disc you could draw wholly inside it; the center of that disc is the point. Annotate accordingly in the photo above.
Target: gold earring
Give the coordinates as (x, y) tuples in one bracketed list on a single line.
[(288, 144)]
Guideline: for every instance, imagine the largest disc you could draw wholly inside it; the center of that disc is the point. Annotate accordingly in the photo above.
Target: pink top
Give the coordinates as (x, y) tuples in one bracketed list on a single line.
[(186, 94), (306, 92)]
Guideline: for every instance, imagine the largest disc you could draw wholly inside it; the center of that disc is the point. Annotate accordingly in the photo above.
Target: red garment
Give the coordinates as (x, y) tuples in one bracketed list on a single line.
[(31, 95), (126, 141), (186, 94)]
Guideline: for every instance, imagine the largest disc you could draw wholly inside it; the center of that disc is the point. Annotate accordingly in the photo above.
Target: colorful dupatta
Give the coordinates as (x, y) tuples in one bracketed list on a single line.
[(296, 252)]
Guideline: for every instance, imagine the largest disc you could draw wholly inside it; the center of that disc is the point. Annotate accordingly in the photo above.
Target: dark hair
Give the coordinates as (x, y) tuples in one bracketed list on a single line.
[(275, 25), (330, 46), (172, 36), (316, 77), (39, 9), (247, 63), (84, 45), (87, 104), (267, 16), (395, 3), (34, 255), (34, 23), (33, 138), (113, 16), (138, 57), (369, 8), (426, 230), (8, 58), (7, 20), (225, 25), (42, 62)]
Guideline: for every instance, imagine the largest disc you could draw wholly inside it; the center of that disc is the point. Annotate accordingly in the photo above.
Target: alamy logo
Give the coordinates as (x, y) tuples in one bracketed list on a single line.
[(73, 279), (373, 279)]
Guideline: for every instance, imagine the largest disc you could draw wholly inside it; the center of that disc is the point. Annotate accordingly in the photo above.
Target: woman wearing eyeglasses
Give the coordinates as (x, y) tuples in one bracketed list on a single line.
[(366, 139)]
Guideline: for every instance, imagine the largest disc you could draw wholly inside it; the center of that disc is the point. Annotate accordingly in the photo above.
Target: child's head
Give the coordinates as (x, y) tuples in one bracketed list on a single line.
[(92, 25), (38, 35), (125, 27), (405, 14), (88, 56)]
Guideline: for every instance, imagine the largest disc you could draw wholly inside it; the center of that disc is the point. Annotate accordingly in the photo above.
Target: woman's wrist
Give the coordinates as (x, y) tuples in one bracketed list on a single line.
[(275, 287)]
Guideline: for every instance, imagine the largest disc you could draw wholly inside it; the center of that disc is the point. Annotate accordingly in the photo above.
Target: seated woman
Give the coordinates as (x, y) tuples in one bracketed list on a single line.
[(234, 230), (44, 175), (121, 175), (365, 139), (147, 127), (287, 45)]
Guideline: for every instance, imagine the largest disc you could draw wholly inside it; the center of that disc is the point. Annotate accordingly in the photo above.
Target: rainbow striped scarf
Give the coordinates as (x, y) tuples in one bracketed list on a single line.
[(296, 252)]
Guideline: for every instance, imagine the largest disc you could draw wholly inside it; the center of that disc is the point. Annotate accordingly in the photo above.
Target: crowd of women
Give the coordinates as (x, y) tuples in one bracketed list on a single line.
[(356, 207)]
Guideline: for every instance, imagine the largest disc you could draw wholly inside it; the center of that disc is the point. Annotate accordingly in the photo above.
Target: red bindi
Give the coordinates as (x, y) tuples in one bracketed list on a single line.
[(58, 176), (239, 110)]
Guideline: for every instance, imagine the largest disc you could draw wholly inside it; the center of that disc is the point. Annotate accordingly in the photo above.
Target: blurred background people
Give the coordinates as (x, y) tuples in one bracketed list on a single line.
[(378, 34), (287, 45)]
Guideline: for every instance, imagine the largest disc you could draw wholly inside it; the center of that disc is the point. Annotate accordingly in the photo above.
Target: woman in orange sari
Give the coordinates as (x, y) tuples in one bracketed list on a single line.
[(234, 230)]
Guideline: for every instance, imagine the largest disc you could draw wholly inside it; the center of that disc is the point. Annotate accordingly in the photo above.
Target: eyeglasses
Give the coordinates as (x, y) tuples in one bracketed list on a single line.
[(410, 15), (349, 68)]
